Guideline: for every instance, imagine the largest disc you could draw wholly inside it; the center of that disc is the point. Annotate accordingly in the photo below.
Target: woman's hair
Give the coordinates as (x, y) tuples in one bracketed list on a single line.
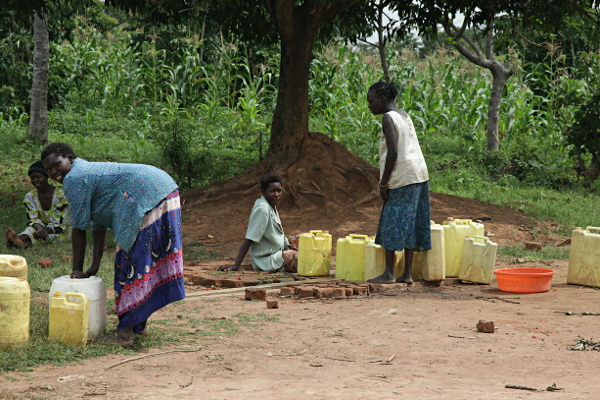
[(37, 167), (387, 90), (266, 181), (59, 148)]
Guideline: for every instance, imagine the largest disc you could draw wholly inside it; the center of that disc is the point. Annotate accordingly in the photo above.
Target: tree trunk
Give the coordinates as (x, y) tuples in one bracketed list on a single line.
[(297, 26), (290, 119), (499, 78), (484, 58), (38, 123), (381, 45)]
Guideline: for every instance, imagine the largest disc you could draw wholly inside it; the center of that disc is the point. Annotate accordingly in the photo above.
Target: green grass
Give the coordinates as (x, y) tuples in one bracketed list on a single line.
[(567, 207), (547, 253), (40, 350)]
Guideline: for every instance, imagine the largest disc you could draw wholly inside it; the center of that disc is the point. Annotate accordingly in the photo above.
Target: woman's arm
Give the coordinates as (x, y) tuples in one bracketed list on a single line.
[(99, 243), (78, 242), (241, 254), (391, 140)]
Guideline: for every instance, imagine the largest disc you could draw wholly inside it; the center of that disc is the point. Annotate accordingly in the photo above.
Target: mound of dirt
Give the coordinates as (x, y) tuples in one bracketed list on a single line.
[(326, 174), (329, 188)]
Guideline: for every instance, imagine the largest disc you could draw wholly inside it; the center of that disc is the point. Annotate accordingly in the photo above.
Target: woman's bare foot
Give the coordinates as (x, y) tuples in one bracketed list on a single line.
[(405, 279), (120, 337), (144, 331), (383, 278), (12, 239)]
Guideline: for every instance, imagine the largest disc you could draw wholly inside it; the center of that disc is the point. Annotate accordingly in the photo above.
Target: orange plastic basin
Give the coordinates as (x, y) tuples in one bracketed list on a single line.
[(524, 280)]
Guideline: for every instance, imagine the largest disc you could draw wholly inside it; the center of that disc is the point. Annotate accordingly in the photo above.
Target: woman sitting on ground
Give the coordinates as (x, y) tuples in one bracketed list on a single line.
[(269, 248), (47, 212)]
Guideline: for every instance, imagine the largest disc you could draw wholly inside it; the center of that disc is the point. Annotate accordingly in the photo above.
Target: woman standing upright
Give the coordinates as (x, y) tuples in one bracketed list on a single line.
[(404, 184), (141, 204)]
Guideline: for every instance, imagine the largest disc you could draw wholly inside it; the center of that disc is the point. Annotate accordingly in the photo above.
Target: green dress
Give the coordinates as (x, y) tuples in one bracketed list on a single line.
[(56, 218)]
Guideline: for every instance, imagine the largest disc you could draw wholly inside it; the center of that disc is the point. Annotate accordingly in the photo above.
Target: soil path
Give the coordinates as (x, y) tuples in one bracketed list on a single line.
[(405, 343)]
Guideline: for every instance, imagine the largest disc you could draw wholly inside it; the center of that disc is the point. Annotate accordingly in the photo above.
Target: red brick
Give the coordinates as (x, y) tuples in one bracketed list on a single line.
[(349, 291), (306, 291), (272, 304), (213, 281), (287, 291), (249, 280), (233, 283), (198, 280), (324, 293), (256, 294), (339, 292), (485, 325), (376, 287), (45, 263), (360, 290), (367, 285)]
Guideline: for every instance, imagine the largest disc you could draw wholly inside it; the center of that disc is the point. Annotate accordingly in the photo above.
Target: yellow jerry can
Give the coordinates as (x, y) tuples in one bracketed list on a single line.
[(350, 258), (13, 266), (477, 260), (455, 233), (69, 316), (429, 265), (314, 253), (584, 258), (14, 312), (375, 261)]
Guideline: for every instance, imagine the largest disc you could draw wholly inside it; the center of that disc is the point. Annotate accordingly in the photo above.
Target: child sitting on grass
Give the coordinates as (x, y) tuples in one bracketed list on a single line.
[(47, 212)]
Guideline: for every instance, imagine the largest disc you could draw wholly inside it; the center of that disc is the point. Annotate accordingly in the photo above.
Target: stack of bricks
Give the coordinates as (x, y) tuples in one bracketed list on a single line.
[(327, 290), (225, 282)]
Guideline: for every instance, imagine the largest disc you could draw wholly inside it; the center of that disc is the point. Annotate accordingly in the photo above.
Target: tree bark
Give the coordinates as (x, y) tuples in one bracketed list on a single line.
[(38, 123), (499, 78), (381, 44), (290, 119), (500, 73), (297, 26)]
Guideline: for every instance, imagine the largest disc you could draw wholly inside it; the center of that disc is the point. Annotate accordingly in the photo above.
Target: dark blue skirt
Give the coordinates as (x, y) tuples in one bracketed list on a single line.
[(150, 275), (405, 219)]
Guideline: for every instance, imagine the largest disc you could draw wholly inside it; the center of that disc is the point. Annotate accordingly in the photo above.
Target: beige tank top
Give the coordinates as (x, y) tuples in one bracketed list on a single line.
[(410, 165)]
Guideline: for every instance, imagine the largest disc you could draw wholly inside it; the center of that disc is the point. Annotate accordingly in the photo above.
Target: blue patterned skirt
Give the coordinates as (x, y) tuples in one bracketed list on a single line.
[(405, 219), (150, 275)]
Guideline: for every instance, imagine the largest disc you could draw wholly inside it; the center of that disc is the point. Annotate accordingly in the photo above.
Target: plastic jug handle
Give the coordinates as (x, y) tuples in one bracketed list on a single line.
[(82, 296), (484, 238), (592, 228), (352, 235), (313, 232)]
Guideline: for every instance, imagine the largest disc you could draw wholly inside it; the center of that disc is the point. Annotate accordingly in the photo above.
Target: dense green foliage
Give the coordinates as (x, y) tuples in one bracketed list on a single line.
[(208, 118)]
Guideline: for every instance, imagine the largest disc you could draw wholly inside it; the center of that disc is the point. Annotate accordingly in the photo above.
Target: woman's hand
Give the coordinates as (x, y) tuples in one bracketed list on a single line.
[(383, 192), (92, 270), (42, 232), (79, 275), (228, 268)]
